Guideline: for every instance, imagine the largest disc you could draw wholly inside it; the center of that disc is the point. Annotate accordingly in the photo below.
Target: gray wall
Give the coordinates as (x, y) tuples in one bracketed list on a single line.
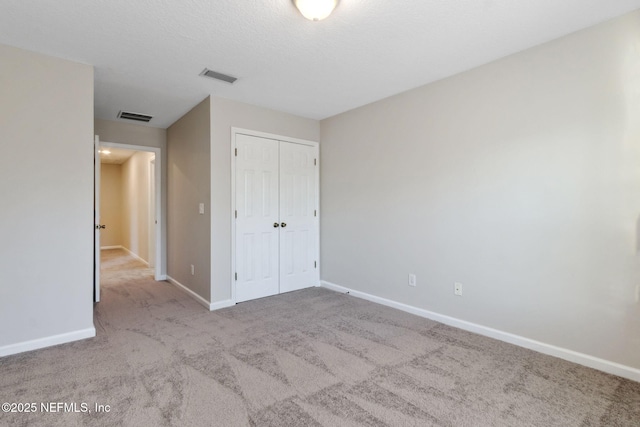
[(46, 213), (130, 133), (520, 179), (134, 134), (189, 167), (226, 114)]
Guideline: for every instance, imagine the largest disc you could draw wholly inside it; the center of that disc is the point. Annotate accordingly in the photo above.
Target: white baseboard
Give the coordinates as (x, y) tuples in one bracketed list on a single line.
[(136, 256), (221, 304), (189, 292), (133, 254), (47, 341), (551, 350), (211, 306)]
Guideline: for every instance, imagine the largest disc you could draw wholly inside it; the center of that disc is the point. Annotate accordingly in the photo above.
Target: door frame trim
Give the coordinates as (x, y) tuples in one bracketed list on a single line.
[(152, 214), (97, 172), (240, 131), (159, 264)]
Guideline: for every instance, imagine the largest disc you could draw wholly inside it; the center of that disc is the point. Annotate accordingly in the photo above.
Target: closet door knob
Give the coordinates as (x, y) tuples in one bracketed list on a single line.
[(283, 225), (276, 225)]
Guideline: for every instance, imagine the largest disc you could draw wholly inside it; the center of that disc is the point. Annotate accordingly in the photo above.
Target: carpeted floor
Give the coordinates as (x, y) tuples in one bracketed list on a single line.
[(306, 358)]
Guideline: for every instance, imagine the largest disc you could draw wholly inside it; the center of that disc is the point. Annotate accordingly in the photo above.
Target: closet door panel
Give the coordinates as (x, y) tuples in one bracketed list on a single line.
[(298, 213), (257, 240)]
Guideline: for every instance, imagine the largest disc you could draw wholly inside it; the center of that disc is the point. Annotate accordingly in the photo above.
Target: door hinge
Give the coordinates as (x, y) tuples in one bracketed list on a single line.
[(236, 214), (236, 276), (315, 212), (315, 162), (236, 151), (315, 264)]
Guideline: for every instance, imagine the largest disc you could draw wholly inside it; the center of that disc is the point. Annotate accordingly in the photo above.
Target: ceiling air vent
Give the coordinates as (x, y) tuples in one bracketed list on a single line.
[(134, 116), (218, 76)]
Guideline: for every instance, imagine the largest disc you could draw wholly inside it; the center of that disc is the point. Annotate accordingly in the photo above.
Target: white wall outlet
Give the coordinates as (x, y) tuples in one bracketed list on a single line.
[(193, 270), (457, 288), (412, 279), (201, 208)]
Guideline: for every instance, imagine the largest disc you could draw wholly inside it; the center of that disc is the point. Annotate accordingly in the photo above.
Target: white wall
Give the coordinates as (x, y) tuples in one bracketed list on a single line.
[(111, 204), (520, 179), (226, 114), (189, 167), (46, 213), (135, 134), (135, 203)]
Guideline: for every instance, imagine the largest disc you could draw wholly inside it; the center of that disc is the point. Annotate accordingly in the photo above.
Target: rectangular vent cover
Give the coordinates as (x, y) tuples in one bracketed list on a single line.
[(134, 116), (218, 76)]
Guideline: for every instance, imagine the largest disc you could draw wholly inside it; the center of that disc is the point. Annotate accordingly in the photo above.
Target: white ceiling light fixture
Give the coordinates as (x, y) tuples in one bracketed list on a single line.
[(315, 10)]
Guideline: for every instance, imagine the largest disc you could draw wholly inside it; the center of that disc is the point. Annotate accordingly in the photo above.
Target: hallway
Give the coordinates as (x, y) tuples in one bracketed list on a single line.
[(117, 265)]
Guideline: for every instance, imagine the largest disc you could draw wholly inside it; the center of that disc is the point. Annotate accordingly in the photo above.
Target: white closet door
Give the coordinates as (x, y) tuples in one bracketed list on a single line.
[(299, 223), (257, 210)]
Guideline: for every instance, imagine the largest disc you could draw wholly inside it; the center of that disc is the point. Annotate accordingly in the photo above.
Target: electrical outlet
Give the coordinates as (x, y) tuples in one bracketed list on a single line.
[(457, 289), (201, 208), (412, 280), (193, 270)]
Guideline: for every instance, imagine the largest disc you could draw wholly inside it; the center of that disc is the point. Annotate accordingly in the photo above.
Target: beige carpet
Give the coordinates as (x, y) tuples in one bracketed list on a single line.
[(307, 358)]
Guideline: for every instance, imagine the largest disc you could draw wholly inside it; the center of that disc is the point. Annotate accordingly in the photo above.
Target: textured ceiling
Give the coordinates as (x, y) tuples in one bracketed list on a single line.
[(148, 53)]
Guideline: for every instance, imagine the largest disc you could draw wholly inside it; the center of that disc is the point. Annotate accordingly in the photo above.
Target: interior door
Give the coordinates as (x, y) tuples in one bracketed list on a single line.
[(96, 219), (257, 223), (298, 216)]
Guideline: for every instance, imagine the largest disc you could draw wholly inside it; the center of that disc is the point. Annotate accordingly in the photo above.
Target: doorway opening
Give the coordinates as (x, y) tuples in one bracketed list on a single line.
[(128, 199)]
